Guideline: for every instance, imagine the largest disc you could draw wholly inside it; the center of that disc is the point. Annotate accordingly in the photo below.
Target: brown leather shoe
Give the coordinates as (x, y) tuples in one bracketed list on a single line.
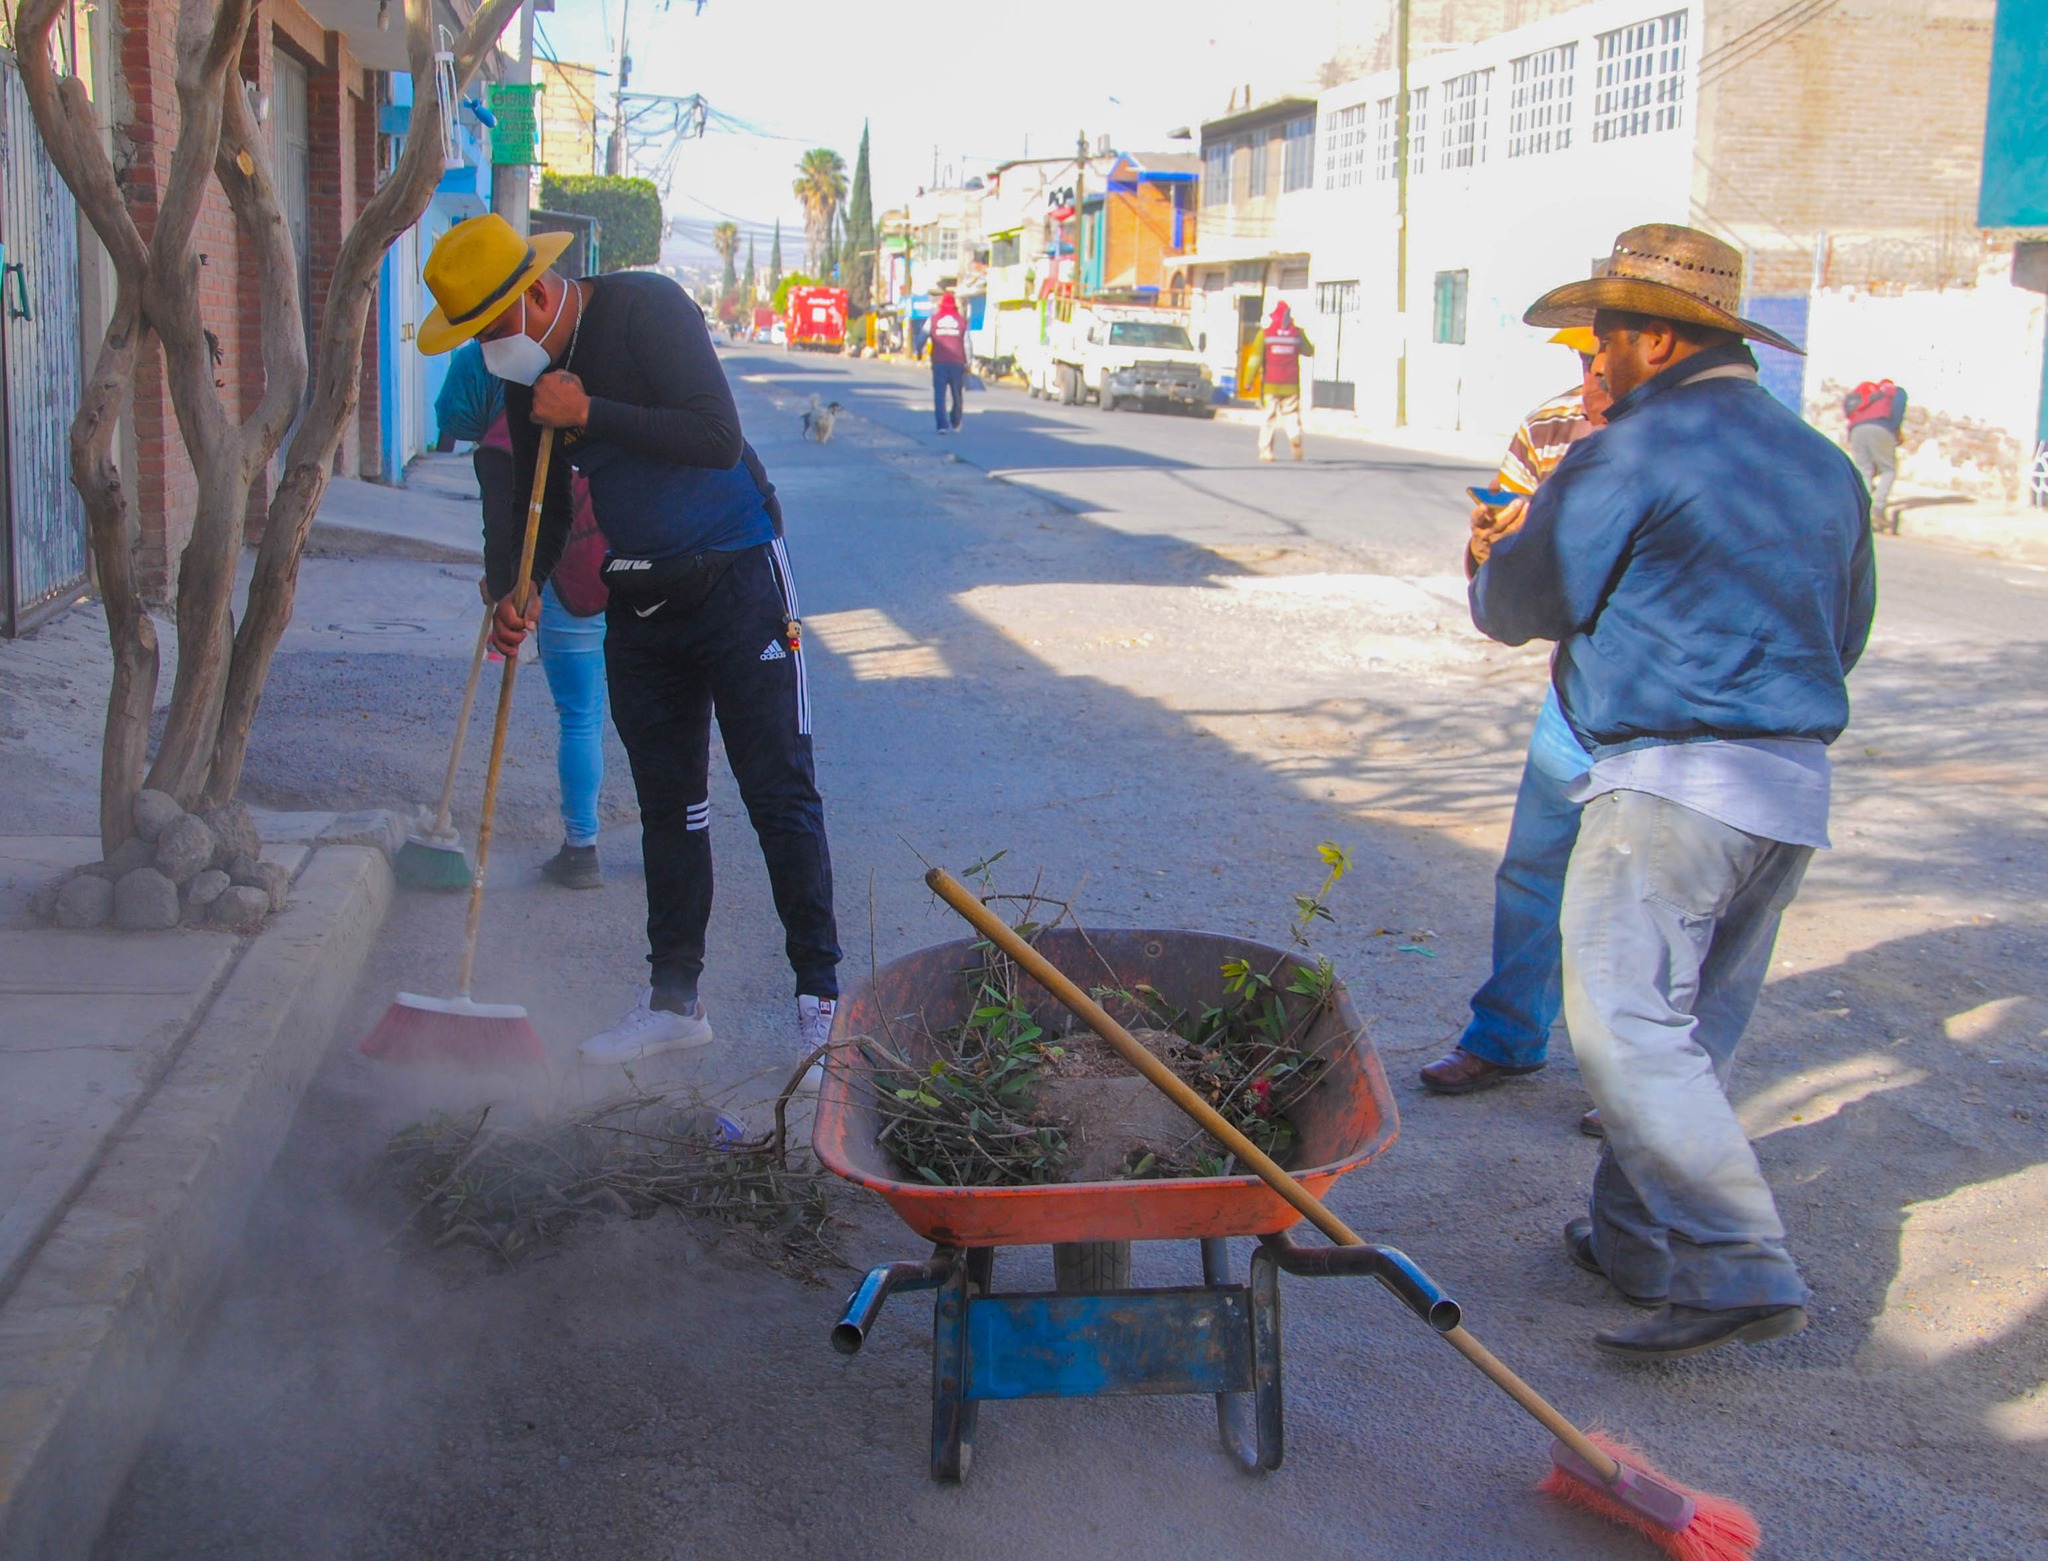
[(1461, 1073), (1591, 1125)]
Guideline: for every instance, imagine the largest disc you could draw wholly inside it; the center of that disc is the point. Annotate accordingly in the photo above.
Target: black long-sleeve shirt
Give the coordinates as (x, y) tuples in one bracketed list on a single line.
[(669, 470)]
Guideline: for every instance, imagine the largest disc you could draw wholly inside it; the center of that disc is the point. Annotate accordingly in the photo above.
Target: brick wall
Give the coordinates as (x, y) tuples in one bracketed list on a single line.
[(1849, 150), (342, 173)]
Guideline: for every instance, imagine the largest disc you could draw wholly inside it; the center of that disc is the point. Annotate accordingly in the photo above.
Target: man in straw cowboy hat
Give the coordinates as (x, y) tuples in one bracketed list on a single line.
[(1705, 568), (1512, 1013), (702, 615)]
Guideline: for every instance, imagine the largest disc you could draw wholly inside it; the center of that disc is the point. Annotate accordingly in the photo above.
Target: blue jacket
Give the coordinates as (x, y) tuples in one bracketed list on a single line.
[(1704, 563)]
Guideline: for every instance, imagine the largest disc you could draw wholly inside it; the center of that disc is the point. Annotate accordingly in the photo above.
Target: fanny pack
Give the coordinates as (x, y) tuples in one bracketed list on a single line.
[(684, 580)]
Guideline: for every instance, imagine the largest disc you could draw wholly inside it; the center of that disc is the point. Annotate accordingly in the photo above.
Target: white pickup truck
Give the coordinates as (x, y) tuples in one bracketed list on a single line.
[(1120, 355)]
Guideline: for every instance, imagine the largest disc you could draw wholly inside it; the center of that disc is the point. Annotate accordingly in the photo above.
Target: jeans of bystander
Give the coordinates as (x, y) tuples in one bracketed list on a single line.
[(1513, 1012), (572, 656), (1669, 918)]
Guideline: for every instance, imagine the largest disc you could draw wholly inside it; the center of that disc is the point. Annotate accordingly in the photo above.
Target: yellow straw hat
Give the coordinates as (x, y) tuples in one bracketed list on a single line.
[(1667, 272), (1579, 338), (477, 271)]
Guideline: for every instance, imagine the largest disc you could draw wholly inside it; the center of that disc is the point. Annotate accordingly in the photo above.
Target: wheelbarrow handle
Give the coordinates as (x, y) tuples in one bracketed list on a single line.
[(851, 1331), (1091, 1013), (1391, 1267)]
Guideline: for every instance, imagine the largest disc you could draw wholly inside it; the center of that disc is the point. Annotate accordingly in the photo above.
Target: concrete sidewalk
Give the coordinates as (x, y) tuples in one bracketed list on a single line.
[(147, 1079)]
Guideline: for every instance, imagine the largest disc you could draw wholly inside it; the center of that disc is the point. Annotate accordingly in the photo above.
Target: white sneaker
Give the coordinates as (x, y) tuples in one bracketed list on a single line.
[(643, 1032), (814, 1029)]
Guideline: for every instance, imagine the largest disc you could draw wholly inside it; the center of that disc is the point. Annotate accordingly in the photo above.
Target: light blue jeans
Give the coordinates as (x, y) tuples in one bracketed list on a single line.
[(1669, 918), (1513, 1012), (572, 656)]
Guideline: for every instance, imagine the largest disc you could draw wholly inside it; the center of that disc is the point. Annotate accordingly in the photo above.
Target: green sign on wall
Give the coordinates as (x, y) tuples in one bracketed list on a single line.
[(2014, 191), (516, 139)]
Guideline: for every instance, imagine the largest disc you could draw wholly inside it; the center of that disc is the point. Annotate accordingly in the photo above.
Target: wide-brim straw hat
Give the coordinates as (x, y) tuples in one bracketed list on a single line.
[(1667, 272), (477, 271)]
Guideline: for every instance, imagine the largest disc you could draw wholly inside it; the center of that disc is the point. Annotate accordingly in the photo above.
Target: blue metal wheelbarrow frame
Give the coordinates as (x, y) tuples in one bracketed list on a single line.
[(1218, 1338)]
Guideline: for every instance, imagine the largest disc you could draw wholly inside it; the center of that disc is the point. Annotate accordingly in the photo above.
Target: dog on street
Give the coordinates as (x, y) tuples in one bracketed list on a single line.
[(819, 419)]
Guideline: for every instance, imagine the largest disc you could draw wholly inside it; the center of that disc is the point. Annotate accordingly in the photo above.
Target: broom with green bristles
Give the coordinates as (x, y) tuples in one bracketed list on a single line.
[(458, 1029), (432, 858)]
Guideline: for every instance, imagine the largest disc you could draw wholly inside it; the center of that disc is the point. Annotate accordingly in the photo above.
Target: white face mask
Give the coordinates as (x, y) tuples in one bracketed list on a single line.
[(520, 360)]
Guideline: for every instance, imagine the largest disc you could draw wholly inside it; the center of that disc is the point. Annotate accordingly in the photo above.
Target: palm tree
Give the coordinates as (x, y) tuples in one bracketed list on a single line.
[(821, 186), (725, 238)]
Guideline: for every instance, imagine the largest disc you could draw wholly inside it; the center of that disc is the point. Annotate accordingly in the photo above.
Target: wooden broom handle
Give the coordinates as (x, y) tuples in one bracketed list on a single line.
[(522, 593), (476, 668), (1305, 1203)]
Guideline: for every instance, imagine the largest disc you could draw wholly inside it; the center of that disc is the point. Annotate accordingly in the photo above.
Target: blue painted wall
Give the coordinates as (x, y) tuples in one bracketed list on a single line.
[(1783, 374), (2014, 189)]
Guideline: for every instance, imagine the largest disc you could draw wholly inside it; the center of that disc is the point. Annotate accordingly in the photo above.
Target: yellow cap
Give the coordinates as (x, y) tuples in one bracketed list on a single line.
[(1579, 338), (477, 271)]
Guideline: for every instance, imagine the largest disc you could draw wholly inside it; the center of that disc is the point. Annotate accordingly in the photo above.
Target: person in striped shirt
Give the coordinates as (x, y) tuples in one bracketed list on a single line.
[(1513, 1012)]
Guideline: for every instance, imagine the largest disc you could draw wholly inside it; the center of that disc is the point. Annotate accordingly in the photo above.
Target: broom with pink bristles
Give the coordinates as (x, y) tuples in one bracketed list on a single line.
[(458, 1029)]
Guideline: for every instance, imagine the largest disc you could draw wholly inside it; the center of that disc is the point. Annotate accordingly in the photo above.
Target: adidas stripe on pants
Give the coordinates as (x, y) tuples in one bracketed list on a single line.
[(669, 674)]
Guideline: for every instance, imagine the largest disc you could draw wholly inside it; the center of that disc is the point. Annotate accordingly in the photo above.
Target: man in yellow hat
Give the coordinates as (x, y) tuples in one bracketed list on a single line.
[(703, 612), (1512, 1013), (1705, 568)]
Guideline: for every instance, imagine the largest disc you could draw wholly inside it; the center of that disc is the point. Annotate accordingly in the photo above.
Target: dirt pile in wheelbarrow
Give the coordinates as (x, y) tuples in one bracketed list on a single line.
[(1116, 1124)]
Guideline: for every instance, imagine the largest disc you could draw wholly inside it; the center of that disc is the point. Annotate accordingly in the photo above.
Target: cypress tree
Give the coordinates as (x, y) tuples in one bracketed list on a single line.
[(775, 260), (860, 228)]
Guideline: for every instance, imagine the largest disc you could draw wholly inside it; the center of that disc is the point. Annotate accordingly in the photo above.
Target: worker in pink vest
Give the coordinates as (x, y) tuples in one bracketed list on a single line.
[(1280, 348)]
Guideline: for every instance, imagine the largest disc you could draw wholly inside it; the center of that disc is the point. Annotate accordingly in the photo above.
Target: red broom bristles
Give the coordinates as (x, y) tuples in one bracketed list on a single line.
[(1720, 1530), (406, 1034)]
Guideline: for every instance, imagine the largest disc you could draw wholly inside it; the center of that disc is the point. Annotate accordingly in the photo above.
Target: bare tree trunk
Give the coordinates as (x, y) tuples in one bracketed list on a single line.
[(71, 133)]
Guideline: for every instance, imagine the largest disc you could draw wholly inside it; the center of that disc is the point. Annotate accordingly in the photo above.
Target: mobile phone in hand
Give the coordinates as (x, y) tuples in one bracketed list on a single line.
[(1494, 498)]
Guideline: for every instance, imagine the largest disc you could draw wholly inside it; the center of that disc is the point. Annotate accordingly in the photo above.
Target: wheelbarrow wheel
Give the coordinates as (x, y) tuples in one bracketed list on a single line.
[(1086, 1267)]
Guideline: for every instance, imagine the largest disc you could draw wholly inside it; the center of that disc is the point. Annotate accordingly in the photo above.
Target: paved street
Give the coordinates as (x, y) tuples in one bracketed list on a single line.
[(1120, 649)]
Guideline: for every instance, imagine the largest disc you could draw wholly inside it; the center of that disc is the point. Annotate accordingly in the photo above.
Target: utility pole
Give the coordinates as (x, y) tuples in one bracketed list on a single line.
[(615, 149), (1080, 220), (1401, 218), (512, 183)]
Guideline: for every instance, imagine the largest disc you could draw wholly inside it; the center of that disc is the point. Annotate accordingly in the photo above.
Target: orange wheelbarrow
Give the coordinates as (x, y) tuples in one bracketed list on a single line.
[(1094, 1334)]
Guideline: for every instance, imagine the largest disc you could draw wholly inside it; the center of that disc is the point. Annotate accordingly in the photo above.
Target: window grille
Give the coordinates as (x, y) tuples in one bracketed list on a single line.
[(1418, 137), (1335, 298), (1639, 78), (1464, 124), (1540, 102), (1298, 165), (1216, 174), (1345, 141)]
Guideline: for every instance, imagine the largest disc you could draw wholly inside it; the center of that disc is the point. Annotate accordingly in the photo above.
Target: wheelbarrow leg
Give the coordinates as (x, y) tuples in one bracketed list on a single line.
[(954, 1414), (1250, 1423)]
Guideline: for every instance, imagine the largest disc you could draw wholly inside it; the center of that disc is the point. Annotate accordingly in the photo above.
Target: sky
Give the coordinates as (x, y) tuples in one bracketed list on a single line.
[(967, 88)]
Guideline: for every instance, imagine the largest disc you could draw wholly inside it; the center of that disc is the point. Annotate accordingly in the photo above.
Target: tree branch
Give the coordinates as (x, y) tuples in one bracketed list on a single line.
[(260, 214)]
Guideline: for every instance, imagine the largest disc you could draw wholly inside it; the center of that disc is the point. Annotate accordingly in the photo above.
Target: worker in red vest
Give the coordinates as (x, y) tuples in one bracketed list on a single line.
[(1280, 348), (1876, 411)]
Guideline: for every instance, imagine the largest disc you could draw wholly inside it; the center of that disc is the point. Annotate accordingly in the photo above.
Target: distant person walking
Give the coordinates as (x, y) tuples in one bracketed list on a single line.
[(471, 407), (948, 336), (1876, 410), (1279, 348), (1704, 565), (1513, 1012)]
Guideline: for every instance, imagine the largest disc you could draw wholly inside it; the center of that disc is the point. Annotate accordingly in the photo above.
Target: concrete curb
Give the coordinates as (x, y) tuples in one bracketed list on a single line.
[(91, 1335)]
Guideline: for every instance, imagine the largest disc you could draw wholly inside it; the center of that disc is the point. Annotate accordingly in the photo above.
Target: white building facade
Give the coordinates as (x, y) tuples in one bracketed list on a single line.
[(1528, 153)]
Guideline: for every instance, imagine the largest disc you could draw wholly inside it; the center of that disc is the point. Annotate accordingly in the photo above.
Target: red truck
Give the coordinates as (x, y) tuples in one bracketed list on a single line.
[(817, 317)]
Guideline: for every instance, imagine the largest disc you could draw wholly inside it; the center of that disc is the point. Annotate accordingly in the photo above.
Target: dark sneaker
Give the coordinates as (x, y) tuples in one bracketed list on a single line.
[(1461, 1073), (1591, 1125), (1687, 1330), (1578, 1246), (573, 867)]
